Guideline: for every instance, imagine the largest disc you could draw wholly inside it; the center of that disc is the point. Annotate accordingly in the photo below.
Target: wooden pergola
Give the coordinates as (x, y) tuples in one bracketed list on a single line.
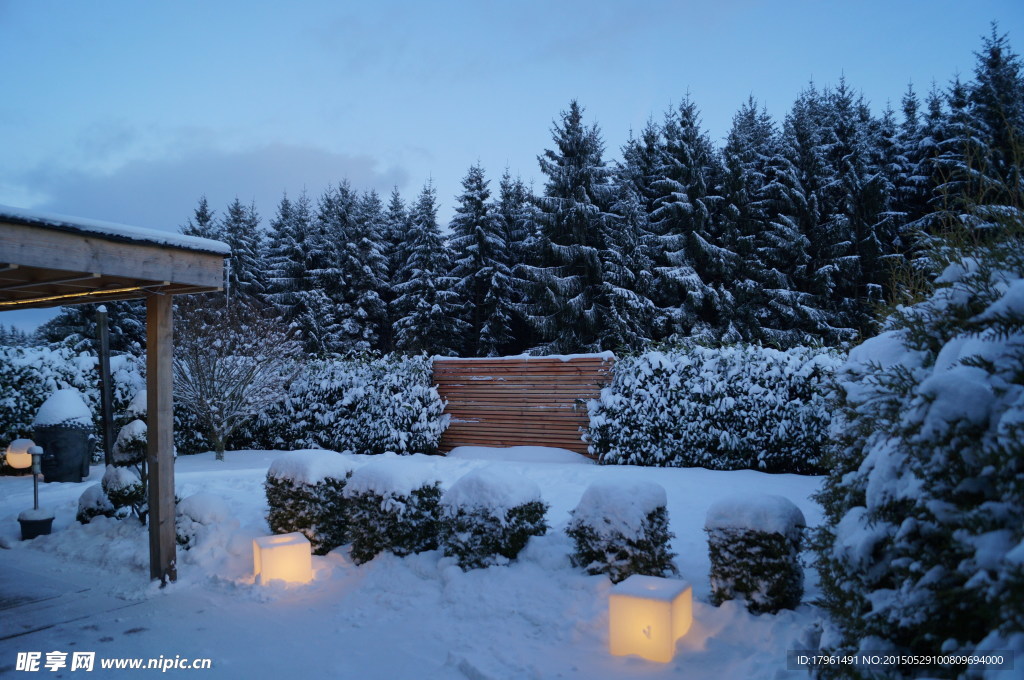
[(49, 260)]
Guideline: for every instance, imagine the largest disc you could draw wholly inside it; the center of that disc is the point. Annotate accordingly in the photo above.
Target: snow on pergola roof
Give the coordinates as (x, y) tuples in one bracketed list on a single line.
[(49, 260)]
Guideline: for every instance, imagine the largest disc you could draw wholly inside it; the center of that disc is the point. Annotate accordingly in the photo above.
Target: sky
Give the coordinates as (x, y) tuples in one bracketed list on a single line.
[(129, 111)]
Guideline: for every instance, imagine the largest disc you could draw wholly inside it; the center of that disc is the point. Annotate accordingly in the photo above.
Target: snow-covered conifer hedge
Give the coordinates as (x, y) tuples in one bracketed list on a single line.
[(359, 405), (487, 518), (754, 543), (621, 529), (305, 493), (391, 507), (734, 407), (922, 550)]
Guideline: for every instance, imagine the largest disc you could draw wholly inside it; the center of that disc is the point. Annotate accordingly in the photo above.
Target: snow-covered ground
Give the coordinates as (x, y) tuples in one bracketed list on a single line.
[(413, 617)]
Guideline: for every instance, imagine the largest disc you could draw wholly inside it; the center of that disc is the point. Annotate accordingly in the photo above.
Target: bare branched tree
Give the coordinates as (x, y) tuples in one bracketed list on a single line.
[(229, 365)]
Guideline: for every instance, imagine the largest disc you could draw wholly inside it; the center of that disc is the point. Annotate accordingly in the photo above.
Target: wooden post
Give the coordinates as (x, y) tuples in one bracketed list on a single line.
[(106, 410), (160, 449)]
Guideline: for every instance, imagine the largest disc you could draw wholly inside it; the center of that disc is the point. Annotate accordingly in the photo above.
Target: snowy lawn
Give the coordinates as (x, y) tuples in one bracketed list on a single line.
[(413, 617)]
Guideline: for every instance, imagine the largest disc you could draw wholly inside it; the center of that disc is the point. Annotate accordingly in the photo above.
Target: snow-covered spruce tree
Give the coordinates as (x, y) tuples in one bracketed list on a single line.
[(428, 305), (487, 518), (621, 529), (203, 222), (391, 508), (240, 229), (922, 547), (394, 225), (228, 370), (566, 307), (75, 327), (629, 314), (754, 543), (514, 212), (292, 252), (481, 267), (696, 263)]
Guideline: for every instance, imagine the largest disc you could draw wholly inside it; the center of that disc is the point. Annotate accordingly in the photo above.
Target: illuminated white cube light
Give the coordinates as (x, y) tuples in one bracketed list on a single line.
[(647, 614), (287, 557)]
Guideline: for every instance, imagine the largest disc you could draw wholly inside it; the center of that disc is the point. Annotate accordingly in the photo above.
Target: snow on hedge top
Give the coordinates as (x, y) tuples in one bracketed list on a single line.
[(618, 508), (755, 512), (487, 488), (390, 476), (112, 231), (63, 407), (310, 466)]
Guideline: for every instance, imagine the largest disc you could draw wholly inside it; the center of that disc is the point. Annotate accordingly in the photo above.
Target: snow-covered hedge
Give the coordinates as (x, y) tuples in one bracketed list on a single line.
[(621, 529), (391, 507), (923, 546), (305, 493), (735, 407), (29, 375), (487, 518), (754, 544)]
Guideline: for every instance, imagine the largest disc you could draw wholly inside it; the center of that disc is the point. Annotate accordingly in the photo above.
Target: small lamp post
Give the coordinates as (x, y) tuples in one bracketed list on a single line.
[(37, 521)]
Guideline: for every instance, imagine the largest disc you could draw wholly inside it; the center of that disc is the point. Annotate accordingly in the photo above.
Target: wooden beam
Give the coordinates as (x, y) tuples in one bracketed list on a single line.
[(160, 448), (32, 246), (67, 281)]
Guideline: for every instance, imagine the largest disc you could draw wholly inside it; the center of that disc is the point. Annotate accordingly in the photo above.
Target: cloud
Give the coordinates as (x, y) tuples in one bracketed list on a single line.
[(161, 193)]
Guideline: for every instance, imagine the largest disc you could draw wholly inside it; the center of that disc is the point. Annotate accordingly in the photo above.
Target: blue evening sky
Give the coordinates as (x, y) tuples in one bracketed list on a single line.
[(129, 111)]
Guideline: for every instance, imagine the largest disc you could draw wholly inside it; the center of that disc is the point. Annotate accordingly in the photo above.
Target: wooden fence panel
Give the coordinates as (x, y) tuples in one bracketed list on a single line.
[(519, 401)]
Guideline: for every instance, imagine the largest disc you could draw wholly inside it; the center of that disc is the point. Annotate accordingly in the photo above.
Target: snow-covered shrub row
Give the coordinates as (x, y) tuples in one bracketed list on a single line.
[(923, 545), (742, 406), (754, 544), (305, 493), (487, 518), (361, 405), (392, 508), (621, 529), (29, 375)]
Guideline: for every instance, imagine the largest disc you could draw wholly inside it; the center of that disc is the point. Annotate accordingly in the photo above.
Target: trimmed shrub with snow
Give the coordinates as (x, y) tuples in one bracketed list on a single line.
[(754, 543), (621, 529), (487, 518), (94, 503), (131, 443), (305, 493), (195, 517), (736, 407), (124, 489), (391, 507)]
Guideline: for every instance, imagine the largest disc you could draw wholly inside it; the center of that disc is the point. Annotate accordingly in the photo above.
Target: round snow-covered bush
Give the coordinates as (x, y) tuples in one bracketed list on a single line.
[(727, 408), (487, 518), (94, 503), (196, 514), (123, 487), (621, 529), (754, 544), (131, 443), (392, 507), (305, 493)]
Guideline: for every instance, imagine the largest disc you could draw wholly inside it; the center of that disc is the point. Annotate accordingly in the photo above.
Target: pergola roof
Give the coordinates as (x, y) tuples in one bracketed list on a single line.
[(50, 260)]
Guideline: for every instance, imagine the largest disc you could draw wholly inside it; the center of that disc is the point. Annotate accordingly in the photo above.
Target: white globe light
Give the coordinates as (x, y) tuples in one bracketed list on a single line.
[(18, 455)]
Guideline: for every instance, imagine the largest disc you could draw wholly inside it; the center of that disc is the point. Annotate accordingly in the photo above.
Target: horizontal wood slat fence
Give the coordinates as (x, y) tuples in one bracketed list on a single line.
[(521, 401)]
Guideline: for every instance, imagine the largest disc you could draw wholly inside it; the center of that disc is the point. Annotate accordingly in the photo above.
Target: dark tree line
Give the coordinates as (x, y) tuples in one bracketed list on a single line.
[(788, 234)]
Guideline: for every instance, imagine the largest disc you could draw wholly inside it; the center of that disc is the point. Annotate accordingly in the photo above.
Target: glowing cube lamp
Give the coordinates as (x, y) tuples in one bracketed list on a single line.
[(287, 557), (647, 614)]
